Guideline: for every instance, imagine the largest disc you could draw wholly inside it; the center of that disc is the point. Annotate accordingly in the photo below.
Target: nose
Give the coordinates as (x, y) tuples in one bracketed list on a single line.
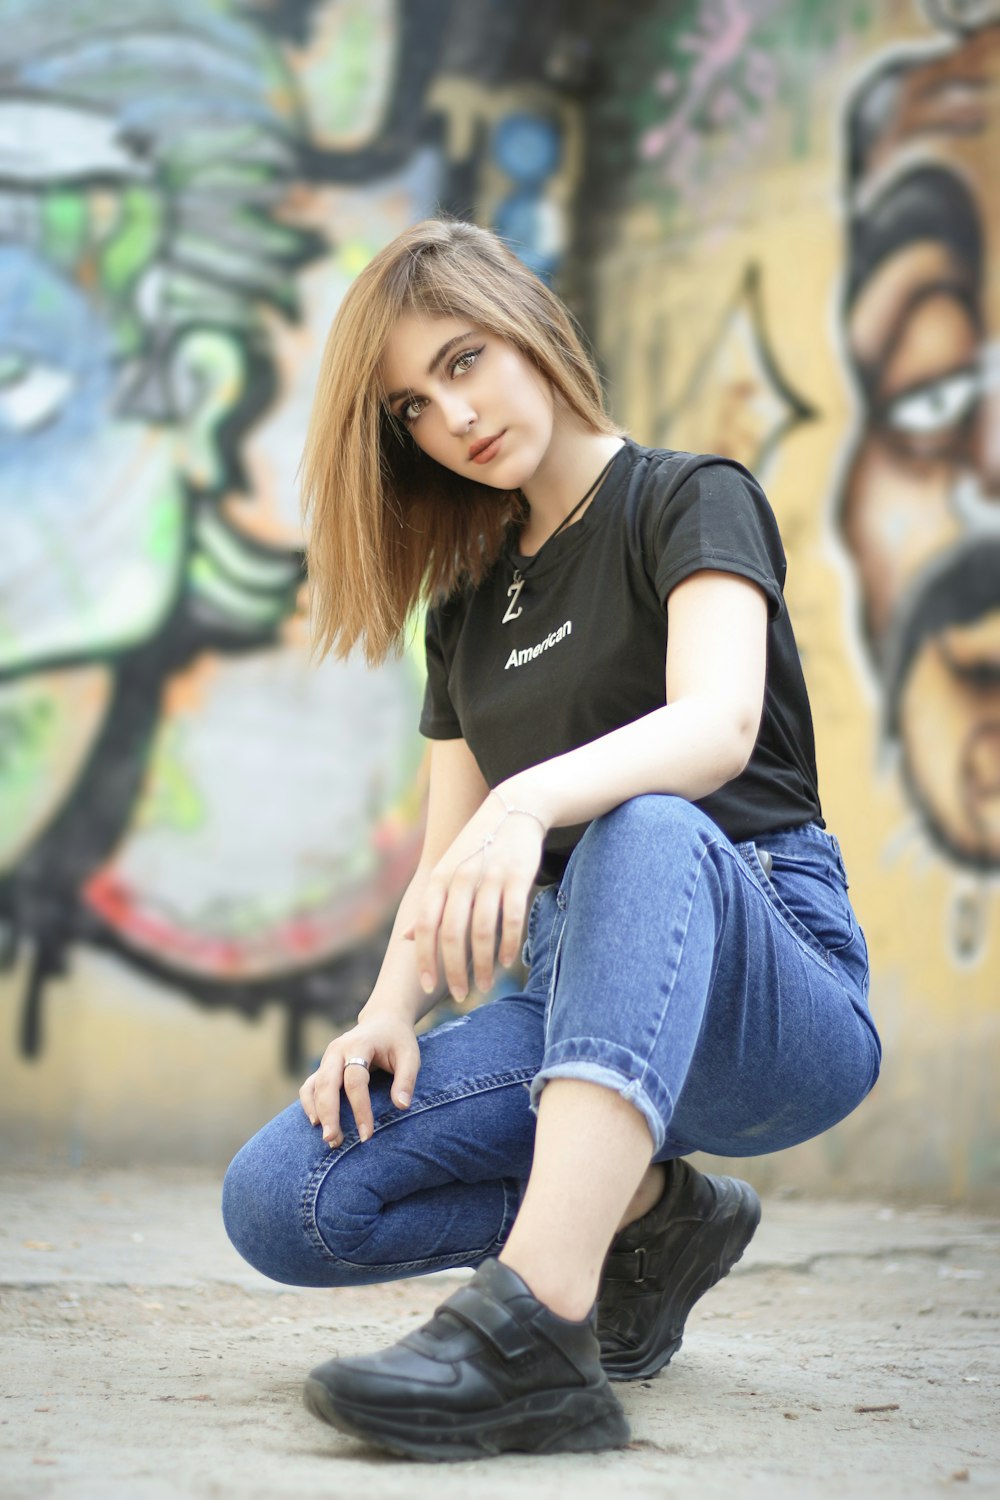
[(459, 416)]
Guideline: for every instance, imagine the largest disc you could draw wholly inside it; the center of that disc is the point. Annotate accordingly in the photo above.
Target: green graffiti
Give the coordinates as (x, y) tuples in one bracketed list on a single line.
[(164, 525), (346, 76), (28, 735), (64, 227), (135, 242)]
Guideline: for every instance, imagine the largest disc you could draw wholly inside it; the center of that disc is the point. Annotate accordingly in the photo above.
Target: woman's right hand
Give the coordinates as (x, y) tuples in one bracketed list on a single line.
[(387, 1042)]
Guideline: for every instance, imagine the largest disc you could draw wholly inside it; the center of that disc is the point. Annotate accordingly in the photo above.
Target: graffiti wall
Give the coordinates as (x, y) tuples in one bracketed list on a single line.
[(202, 835), (775, 218), (797, 267)]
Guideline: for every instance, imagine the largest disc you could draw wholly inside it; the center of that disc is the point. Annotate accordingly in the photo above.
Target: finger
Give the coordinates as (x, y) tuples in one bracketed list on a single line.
[(455, 935), (405, 1063), (356, 1089), (327, 1096), (307, 1098), (515, 905), (485, 915), (426, 930)]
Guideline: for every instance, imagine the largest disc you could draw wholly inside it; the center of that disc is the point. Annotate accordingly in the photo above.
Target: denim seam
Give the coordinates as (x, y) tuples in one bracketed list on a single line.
[(511, 1204), (317, 1177), (554, 974), (547, 968), (677, 961)]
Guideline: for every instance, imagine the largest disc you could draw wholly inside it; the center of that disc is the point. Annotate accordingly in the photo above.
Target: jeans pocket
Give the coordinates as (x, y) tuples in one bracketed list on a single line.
[(806, 888)]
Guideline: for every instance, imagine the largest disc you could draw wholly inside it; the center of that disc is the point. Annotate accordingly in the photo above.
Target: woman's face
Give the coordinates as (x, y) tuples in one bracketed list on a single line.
[(470, 400)]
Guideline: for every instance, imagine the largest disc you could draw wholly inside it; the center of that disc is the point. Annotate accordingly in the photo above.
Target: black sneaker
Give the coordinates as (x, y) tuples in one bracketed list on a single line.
[(658, 1267), (494, 1370)]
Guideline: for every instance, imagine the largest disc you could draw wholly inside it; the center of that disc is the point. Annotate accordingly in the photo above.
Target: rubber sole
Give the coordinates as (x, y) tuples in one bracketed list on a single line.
[(735, 1221), (561, 1421)]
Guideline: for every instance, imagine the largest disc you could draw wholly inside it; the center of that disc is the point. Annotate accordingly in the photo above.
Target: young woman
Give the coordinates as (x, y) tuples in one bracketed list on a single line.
[(618, 717)]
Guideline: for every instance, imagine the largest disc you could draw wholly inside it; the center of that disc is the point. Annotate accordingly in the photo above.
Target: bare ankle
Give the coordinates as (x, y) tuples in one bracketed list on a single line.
[(559, 1294), (647, 1194)]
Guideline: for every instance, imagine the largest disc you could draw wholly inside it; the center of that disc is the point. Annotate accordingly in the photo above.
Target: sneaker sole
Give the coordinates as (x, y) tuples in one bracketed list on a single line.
[(562, 1421), (735, 1219)]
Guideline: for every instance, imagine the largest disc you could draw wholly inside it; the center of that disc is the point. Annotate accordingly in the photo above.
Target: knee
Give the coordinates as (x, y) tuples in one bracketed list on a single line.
[(296, 1217), (642, 851), (654, 820), (250, 1213), (262, 1206)]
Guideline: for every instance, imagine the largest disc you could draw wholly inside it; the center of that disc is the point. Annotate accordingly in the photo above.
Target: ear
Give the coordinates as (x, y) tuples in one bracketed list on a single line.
[(207, 382)]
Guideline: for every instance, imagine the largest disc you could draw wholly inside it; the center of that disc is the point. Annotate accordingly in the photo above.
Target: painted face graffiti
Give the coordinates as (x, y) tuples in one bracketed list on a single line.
[(920, 508)]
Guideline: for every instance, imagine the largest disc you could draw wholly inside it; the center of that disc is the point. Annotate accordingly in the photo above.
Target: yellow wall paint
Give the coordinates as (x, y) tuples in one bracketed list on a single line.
[(932, 1125)]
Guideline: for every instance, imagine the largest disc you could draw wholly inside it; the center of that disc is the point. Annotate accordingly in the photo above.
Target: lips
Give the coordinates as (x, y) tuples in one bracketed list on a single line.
[(485, 449)]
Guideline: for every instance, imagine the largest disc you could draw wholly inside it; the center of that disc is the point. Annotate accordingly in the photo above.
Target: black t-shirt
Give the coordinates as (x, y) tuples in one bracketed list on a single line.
[(587, 652)]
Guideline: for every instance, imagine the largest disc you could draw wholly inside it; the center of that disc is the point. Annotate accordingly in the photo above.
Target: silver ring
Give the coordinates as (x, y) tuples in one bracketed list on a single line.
[(357, 1062)]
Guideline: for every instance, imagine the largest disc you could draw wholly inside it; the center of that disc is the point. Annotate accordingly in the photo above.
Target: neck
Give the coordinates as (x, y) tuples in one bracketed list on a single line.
[(572, 462)]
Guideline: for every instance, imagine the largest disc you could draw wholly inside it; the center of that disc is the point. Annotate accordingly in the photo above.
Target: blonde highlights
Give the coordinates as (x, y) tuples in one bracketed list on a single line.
[(388, 528)]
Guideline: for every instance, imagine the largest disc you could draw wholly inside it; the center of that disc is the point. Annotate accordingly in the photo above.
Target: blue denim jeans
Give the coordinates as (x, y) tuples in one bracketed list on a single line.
[(721, 988)]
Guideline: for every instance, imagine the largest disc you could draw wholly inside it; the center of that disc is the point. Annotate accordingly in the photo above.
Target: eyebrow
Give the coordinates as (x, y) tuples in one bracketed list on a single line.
[(442, 353), (925, 203), (872, 370)]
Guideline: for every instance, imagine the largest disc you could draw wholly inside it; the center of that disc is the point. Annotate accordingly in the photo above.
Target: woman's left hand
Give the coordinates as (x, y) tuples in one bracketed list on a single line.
[(483, 880)]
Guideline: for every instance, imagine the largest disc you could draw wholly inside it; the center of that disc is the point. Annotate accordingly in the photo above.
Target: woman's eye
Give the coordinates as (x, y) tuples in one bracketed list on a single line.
[(465, 361), (934, 408), (411, 410)]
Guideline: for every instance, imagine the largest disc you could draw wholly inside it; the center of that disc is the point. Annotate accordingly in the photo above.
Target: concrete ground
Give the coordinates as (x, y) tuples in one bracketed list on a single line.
[(855, 1351)]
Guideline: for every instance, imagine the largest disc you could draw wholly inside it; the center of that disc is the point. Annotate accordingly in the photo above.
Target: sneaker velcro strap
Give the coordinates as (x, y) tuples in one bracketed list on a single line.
[(495, 1321), (626, 1265)]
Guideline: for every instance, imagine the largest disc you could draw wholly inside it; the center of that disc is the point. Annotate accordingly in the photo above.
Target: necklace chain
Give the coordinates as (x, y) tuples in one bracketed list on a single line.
[(521, 573)]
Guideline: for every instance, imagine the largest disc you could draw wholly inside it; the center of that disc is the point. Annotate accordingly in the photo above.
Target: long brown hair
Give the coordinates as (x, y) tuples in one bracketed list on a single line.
[(388, 527)]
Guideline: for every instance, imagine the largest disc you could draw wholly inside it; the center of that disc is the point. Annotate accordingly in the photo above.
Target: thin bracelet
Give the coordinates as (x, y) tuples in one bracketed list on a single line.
[(524, 811)]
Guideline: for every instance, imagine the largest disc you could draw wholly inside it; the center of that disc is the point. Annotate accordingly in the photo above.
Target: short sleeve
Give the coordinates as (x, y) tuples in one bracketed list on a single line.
[(717, 518), (438, 720)]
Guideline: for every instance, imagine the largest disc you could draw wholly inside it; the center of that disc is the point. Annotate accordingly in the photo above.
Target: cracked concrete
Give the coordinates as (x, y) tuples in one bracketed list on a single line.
[(854, 1352)]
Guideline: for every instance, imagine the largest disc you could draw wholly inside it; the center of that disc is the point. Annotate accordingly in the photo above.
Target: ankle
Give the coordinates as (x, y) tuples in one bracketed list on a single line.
[(646, 1196), (563, 1295)]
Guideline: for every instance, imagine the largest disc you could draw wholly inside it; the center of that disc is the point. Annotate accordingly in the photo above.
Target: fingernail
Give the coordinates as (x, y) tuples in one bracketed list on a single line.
[(402, 1100), (364, 1132), (426, 983)]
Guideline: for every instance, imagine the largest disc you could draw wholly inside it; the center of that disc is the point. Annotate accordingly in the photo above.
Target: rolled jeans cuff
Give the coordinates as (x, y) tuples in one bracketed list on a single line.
[(616, 1068)]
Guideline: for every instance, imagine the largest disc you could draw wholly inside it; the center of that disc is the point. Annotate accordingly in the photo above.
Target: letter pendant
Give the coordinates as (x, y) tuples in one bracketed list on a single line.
[(513, 594)]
